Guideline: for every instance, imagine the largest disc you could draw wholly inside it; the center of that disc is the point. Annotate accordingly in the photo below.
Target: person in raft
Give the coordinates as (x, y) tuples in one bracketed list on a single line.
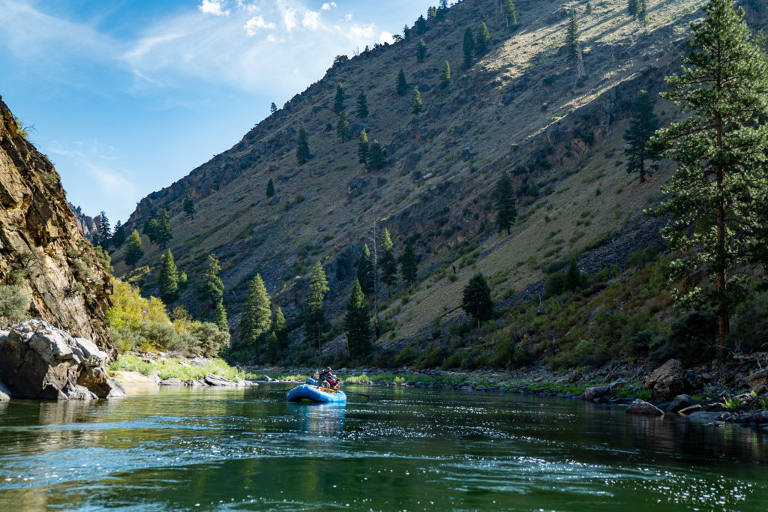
[(329, 380)]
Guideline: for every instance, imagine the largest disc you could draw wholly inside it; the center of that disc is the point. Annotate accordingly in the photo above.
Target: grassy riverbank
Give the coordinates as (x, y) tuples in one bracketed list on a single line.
[(174, 367)]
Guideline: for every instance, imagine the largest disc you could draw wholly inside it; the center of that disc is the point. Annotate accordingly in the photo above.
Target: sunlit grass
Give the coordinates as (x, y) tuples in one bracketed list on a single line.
[(177, 368)]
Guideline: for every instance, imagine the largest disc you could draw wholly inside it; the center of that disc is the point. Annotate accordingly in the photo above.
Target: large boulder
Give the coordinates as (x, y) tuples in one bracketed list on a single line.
[(39, 361), (758, 381), (643, 408), (5, 393), (667, 381)]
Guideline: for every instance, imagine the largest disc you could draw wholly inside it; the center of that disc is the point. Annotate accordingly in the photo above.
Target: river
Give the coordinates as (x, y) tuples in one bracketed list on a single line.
[(387, 449)]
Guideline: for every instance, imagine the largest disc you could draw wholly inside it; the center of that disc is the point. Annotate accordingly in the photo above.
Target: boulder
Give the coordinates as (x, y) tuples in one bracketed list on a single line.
[(679, 403), (39, 361), (643, 408), (173, 381), (5, 393), (218, 381), (597, 392), (689, 410), (667, 381), (758, 381)]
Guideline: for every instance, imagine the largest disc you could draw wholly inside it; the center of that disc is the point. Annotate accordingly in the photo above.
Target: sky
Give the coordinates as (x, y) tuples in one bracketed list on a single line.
[(127, 96)]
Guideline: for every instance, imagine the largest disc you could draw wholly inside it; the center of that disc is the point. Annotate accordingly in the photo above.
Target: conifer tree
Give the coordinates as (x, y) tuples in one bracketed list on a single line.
[(510, 14), (342, 127), (632, 7), (388, 263), (588, 9), (574, 44), (365, 271), (421, 25), (119, 236), (280, 328), (273, 108), (362, 147), (402, 83), (642, 12), (642, 125), (362, 105), (477, 299), (257, 314), (338, 102), (409, 264), (720, 147), (468, 47), (376, 158), (406, 32), (169, 278), (220, 316), (417, 105), (445, 76), (270, 188), (214, 292), (163, 234), (504, 197), (315, 314), (183, 280), (189, 204), (133, 250), (573, 278), (357, 324), (302, 146), (483, 39), (105, 232), (421, 51), (432, 13)]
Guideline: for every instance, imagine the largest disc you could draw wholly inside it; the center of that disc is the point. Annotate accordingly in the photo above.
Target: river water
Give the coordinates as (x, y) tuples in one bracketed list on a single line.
[(387, 449)]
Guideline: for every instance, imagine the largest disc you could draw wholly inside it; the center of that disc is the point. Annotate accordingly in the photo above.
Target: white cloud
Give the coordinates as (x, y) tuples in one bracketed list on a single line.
[(386, 37), (215, 7), (348, 17), (311, 20), (289, 19), (257, 22), (328, 6)]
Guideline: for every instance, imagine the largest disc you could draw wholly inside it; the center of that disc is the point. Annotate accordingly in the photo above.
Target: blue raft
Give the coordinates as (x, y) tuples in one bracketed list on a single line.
[(316, 394)]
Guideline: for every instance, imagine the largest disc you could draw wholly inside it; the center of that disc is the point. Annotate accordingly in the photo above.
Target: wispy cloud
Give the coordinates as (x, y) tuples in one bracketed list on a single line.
[(215, 7)]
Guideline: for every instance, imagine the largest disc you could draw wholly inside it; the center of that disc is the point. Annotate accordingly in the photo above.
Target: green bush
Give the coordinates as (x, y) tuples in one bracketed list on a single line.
[(640, 343), (14, 305), (691, 340), (453, 361)]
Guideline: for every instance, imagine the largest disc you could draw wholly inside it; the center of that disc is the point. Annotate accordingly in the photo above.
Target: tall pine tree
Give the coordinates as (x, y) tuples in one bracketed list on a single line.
[(133, 250), (421, 51), (642, 125), (342, 127), (163, 233), (257, 315), (119, 236), (483, 40), (409, 264), (280, 328), (510, 14), (270, 188), (338, 102), (105, 233), (357, 324), (169, 278), (504, 197), (213, 291), (402, 83), (315, 312), (445, 75), (387, 262), (720, 147), (189, 204), (362, 105), (477, 299), (573, 42), (365, 271), (362, 147), (376, 158), (468, 47), (417, 104), (302, 146)]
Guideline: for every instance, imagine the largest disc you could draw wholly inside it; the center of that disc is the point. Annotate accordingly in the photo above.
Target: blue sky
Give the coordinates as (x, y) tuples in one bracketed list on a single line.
[(127, 96)]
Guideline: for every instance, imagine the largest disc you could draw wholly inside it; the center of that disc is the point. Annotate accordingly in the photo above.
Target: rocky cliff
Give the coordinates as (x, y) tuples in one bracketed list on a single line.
[(42, 250)]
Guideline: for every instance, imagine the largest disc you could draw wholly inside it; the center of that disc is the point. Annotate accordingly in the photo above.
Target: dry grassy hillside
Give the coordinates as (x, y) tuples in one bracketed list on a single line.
[(520, 108)]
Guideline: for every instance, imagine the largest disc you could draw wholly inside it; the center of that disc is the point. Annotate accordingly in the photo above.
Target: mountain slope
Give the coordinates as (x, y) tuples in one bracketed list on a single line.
[(520, 108), (42, 250)]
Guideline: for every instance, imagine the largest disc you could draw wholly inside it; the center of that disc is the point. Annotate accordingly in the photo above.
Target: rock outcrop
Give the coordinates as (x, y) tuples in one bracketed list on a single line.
[(758, 381), (38, 361), (667, 381), (42, 250)]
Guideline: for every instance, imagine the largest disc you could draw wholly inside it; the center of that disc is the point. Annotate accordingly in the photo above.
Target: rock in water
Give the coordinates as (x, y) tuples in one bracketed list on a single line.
[(643, 408), (680, 403), (667, 381), (39, 361), (5, 393)]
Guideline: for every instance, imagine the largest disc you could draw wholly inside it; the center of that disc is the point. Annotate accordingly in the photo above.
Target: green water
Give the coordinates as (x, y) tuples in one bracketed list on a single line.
[(392, 449)]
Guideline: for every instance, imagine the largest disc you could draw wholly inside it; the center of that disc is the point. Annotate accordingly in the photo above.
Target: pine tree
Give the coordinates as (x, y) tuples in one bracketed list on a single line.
[(588, 10), (257, 315), (357, 324), (134, 250), (642, 12), (642, 125), (510, 14), (315, 314), (183, 280), (468, 47), (302, 146), (409, 264), (406, 32), (504, 197), (632, 7), (363, 147), (574, 44), (270, 188), (150, 229), (376, 158), (220, 316), (214, 292), (169, 278), (483, 40), (273, 108), (338, 102), (189, 204), (421, 25), (573, 278), (365, 271), (387, 262), (105, 232), (432, 13), (445, 76), (417, 105), (342, 127), (163, 233), (720, 146), (362, 105), (280, 328), (119, 236), (402, 83), (477, 299), (421, 51)]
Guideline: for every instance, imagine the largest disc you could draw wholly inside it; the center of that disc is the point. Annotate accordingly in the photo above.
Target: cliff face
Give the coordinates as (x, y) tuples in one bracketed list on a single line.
[(42, 250)]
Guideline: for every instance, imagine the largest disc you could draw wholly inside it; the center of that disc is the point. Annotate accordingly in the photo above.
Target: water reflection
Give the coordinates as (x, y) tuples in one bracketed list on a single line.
[(319, 419)]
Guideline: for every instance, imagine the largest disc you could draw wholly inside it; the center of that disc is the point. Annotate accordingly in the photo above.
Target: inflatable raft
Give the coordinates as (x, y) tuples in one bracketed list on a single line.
[(311, 393)]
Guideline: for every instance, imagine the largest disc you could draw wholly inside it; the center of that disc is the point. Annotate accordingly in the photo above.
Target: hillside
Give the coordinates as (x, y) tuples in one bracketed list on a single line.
[(44, 256), (520, 108)]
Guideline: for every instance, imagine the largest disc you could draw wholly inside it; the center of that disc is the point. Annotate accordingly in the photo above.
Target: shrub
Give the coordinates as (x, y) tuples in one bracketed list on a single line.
[(14, 305), (640, 343), (691, 340), (453, 361)]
